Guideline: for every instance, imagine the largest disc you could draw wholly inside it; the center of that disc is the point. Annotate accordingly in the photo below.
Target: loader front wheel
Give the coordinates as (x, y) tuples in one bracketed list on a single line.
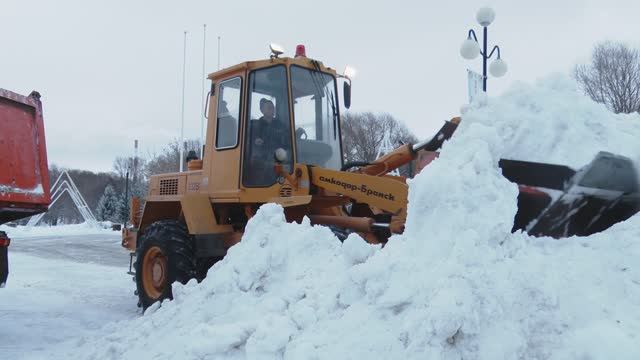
[(165, 255)]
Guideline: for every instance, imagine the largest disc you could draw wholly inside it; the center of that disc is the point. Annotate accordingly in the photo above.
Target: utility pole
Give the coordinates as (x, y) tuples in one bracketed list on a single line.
[(204, 53), (184, 68), (218, 52), (135, 161)]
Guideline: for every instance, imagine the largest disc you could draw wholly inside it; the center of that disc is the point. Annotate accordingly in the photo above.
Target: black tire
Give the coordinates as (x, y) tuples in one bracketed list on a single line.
[(4, 259), (166, 253)]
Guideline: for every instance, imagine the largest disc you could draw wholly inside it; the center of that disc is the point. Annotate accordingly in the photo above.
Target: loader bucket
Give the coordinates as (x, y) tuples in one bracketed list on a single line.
[(557, 201)]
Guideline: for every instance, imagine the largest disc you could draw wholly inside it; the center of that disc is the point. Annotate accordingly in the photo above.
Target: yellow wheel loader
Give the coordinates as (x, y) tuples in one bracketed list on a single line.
[(273, 135)]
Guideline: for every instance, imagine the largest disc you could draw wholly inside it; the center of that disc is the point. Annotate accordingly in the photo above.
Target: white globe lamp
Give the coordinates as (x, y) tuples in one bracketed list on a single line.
[(485, 16), (498, 68), (470, 49)]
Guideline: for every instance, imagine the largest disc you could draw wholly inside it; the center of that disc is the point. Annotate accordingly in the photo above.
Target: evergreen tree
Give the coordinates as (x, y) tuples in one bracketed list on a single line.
[(107, 209), (123, 210)]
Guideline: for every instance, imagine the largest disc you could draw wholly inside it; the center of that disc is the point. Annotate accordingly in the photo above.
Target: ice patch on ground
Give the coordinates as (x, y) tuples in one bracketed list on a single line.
[(20, 231), (456, 285)]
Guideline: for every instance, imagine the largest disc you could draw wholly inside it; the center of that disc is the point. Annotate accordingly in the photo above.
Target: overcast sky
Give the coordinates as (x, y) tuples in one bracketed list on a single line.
[(110, 71)]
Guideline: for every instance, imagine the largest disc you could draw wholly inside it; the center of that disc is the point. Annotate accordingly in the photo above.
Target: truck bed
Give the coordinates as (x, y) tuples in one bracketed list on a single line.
[(24, 177)]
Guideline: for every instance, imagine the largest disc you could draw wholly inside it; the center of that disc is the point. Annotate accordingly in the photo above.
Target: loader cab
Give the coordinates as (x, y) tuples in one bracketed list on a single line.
[(259, 107)]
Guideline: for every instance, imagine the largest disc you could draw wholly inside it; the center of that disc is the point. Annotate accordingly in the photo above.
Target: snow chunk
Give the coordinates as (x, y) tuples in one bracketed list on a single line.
[(356, 250)]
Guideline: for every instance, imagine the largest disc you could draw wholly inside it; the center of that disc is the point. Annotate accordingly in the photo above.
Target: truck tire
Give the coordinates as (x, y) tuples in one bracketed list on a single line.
[(165, 254), (4, 258)]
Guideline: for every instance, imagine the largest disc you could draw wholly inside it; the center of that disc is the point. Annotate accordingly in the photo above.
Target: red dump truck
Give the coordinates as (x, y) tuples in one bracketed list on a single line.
[(24, 174)]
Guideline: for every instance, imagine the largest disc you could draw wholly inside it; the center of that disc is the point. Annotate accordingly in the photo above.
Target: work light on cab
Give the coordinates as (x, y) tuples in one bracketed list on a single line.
[(276, 50)]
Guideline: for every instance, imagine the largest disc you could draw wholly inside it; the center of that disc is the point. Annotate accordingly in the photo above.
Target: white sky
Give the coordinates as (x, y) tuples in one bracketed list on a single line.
[(111, 71)]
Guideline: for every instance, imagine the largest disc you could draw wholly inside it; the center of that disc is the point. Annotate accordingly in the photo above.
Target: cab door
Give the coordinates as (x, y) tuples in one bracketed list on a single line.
[(225, 120), (267, 128)]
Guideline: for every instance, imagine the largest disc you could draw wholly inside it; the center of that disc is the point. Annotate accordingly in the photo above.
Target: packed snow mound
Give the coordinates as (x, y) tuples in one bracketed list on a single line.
[(456, 285), (20, 231), (553, 122)]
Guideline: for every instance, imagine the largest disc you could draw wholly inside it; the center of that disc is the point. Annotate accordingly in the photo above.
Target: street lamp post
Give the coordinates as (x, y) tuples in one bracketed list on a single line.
[(470, 48)]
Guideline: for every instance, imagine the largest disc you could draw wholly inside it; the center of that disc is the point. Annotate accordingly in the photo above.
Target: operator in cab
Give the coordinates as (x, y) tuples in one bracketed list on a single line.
[(267, 134), (268, 131)]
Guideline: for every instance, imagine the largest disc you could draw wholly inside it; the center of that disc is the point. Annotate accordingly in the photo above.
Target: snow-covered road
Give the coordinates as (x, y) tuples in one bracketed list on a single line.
[(102, 249), (62, 287)]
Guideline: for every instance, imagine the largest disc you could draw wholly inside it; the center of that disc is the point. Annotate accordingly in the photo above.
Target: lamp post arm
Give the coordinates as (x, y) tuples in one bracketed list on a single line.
[(494, 49), (472, 34)]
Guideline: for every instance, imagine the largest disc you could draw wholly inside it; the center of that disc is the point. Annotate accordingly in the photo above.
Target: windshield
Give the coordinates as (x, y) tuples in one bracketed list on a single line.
[(316, 118)]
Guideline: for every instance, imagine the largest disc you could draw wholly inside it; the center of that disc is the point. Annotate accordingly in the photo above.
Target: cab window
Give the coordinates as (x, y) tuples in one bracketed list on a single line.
[(228, 113), (315, 111)]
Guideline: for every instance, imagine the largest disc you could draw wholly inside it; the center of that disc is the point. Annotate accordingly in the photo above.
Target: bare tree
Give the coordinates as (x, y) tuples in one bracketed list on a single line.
[(167, 160), (613, 77), (363, 133), (132, 165)]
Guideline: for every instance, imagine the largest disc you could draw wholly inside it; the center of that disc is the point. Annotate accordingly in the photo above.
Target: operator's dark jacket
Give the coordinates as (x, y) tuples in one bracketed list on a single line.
[(259, 157), (274, 135)]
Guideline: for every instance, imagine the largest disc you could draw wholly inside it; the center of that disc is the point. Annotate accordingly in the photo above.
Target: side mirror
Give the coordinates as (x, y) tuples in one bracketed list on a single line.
[(347, 94)]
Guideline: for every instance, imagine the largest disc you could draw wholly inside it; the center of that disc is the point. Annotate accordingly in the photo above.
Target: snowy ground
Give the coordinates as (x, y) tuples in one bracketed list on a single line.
[(61, 287), (456, 285), (102, 249)]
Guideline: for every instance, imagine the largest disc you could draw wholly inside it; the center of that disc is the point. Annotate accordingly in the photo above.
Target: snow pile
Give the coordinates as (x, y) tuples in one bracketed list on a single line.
[(19, 232), (554, 123), (456, 285)]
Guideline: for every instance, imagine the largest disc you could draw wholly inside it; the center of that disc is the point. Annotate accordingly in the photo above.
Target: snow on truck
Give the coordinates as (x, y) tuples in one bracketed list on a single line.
[(24, 173), (274, 136)]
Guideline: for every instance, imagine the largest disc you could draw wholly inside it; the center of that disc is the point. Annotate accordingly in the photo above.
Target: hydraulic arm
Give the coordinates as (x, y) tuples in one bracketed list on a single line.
[(405, 153)]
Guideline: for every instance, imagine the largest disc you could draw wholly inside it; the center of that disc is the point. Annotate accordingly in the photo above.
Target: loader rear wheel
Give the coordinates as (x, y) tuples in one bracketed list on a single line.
[(154, 272), (165, 255)]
